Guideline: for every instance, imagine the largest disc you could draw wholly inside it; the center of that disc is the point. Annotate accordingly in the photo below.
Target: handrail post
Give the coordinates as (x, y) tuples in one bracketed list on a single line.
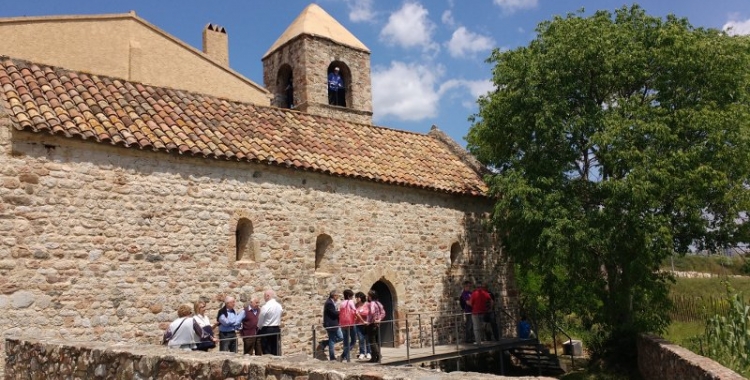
[(380, 344), (455, 327), (554, 336), (432, 333), (502, 362), (408, 361), (314, 341), (538, 359), (419, 321)]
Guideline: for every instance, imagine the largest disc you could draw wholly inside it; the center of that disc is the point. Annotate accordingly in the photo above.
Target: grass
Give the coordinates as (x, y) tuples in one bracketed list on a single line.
[(717, 264), (704, 290), (709, 287), (681, 333)]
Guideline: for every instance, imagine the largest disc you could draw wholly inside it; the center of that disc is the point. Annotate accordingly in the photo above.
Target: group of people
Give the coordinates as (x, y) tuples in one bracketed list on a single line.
[(478, 305), (356, 318), (259, 327)]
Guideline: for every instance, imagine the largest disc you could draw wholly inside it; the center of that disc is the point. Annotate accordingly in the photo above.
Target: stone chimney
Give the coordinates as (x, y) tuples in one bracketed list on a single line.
[(216, 44)]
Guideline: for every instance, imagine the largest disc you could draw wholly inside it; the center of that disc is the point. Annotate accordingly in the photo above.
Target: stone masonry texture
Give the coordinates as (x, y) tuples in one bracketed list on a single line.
[(60, 360), (102, 243), (659, 359), (309, 58)]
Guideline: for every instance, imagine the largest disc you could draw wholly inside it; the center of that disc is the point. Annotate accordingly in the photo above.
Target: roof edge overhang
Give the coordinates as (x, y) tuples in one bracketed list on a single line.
[(315, 36)]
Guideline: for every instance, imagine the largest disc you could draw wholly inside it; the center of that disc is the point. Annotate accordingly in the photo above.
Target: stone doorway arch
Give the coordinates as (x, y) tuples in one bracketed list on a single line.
[(387, 297)]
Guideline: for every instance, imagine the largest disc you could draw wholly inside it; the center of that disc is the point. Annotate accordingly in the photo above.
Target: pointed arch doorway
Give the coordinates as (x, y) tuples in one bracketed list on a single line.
[(388, 299)]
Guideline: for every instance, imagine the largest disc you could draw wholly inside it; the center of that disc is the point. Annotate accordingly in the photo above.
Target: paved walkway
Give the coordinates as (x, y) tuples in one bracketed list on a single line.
[(398, 356)]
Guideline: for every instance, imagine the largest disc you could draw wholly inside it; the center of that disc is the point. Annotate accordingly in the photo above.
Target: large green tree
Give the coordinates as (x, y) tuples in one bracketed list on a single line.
[(616, 140)]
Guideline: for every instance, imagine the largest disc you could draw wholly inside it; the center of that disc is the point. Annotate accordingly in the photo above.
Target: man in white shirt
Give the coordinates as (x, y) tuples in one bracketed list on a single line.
[(269, 322)]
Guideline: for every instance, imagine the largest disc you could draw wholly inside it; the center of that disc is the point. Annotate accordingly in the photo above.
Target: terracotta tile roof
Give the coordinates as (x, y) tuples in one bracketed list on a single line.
[(41, 98)]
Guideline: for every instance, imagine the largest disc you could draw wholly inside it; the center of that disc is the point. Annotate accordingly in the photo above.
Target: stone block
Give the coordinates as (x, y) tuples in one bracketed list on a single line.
[(573, 347), (21, 299)]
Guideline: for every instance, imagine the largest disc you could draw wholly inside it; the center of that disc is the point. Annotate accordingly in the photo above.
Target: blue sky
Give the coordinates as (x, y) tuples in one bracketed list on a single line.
[(427, 56)]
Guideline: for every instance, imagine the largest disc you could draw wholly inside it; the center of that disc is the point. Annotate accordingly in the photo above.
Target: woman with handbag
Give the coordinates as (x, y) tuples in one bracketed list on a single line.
[(184, 332), (208, 341)]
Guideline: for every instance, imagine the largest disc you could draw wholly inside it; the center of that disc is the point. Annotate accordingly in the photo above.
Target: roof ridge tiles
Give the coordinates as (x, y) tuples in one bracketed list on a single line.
[(179, 121)]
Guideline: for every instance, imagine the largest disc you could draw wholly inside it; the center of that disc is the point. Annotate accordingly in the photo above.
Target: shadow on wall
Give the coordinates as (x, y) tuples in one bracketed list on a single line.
[(477, 258)]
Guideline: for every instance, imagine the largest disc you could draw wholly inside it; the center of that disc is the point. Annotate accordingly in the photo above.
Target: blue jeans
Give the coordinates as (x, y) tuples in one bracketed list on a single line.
[(364, 348), (334, 336), (228, 341), (349, 338)]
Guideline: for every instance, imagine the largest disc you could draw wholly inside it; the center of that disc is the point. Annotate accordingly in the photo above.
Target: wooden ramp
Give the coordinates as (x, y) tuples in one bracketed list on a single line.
[(398, 356)]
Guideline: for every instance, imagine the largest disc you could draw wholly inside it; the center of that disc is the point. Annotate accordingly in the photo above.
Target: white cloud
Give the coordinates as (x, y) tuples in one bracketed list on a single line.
[(447, 18), (476, 88), (409, 27), (360, 10), (510, 6), (411, 91), (736, 28), (464, 42), (406, 90)]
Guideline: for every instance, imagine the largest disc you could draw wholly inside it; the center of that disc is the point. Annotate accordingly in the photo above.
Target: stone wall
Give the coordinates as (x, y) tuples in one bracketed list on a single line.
[(58, 360), (103, 243), (659, 359), (309, 58)]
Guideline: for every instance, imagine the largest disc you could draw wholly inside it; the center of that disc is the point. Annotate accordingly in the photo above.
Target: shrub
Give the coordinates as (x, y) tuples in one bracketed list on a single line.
[(728, 336)]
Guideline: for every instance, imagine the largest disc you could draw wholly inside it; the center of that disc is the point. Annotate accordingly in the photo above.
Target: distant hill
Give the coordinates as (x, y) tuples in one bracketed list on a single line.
[(714, 264)]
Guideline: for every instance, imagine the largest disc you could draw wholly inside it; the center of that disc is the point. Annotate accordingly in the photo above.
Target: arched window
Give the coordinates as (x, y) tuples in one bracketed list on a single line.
[(455, 252), (343, 96), (322, 244), (244, 245), (285, 87)]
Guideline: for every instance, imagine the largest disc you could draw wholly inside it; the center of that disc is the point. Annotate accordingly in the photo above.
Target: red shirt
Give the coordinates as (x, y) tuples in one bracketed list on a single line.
[(480, 300)]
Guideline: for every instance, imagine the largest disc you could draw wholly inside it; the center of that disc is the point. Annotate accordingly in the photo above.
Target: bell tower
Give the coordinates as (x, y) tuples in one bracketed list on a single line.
[(297, 66)]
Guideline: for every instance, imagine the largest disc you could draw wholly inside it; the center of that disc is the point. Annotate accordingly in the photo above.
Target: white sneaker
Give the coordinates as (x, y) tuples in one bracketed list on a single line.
[(368, 356), (361, 357)]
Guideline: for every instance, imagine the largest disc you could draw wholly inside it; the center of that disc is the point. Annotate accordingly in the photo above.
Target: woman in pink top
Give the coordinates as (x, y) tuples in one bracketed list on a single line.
[(361, 318), (347, 319)]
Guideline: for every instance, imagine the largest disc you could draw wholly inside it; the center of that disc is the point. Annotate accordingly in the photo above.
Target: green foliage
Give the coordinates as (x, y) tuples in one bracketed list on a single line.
[(727, 338), (616, 142), (596, 370), (696, 309), (684, 334)]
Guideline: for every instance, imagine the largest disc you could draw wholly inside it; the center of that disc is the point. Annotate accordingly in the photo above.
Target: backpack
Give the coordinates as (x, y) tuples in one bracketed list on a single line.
[(347, 313)]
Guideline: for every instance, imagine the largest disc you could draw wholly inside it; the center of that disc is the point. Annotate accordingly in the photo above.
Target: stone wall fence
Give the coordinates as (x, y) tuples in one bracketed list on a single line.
[(659, 359), (34, 359)]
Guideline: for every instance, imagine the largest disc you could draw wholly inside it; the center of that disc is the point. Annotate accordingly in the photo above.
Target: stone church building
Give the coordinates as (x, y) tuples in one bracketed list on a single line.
[(138, 173)]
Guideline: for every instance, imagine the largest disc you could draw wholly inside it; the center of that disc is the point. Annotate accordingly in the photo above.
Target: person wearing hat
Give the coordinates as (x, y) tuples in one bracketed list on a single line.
[(335, 88)]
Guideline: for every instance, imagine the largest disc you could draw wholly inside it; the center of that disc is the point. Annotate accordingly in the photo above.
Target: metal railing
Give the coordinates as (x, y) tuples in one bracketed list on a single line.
[(431, 330), (555, 327), (319, 343), (414, 331), (240, 339)]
